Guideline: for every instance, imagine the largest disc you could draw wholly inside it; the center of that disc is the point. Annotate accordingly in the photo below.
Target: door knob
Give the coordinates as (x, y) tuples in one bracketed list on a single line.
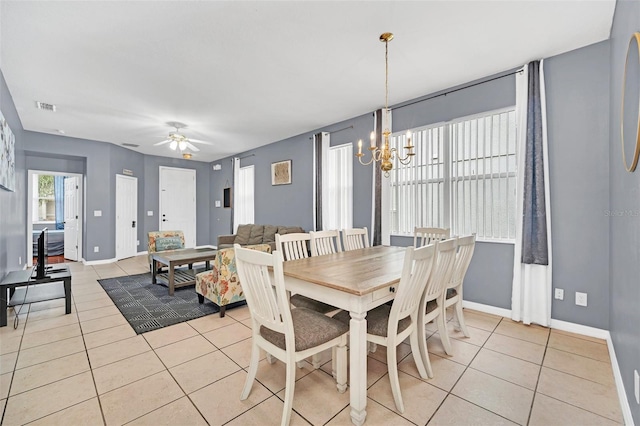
[(133, 224), (164, 220)]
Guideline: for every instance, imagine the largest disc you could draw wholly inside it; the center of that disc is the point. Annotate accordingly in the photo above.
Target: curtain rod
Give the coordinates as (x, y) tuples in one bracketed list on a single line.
[(336, 131), (519, 71)]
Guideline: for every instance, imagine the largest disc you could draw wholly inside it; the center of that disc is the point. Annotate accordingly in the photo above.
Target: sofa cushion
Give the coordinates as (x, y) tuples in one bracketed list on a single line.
[(282, 230), (168, 243), (255, 237), (270, 232), (242, 234)]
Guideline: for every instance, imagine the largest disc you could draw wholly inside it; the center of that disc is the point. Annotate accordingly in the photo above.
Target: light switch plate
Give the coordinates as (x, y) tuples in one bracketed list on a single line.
[(97, 213), (559, 294), (149, 212), (96, 249), (217, 203)]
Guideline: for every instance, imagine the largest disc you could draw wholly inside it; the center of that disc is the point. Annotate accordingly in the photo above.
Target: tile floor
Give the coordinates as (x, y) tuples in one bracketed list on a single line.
[(90, 368)]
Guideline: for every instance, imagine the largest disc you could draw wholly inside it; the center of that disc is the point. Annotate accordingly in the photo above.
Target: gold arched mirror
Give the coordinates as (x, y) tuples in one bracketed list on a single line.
[(630, 114)]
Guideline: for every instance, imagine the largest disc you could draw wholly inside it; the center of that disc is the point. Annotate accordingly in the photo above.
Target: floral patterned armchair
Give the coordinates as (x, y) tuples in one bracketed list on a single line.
[(162, 241), (221, 284)]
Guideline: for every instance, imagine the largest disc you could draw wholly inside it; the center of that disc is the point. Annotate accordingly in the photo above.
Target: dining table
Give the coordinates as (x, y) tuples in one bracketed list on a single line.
[(355, 281)]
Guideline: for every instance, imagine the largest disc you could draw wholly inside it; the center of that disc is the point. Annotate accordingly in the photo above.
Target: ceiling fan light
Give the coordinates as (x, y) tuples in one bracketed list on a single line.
[(182, 145), (173, 145)]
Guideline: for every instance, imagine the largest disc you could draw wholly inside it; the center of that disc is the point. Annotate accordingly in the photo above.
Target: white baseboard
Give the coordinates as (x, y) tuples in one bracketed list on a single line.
[(487, 309), (98, 262), (578, 329)]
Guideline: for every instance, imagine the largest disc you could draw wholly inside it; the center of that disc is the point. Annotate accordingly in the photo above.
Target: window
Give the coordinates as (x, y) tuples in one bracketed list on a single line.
[(243, 202), (462, 177), (44, 199), (337, 197)]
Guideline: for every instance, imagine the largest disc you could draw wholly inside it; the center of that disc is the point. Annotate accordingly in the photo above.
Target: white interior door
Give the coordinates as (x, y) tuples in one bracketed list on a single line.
[(178, 202), (126, 216), (71, 218)]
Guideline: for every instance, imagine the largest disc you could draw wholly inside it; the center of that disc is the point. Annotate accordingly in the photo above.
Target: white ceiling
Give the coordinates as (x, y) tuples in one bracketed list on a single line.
[(244, 74)]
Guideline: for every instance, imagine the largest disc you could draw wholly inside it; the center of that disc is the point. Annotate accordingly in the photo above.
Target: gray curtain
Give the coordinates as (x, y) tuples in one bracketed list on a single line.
[(317, 146), (377, 201), (534, 223)]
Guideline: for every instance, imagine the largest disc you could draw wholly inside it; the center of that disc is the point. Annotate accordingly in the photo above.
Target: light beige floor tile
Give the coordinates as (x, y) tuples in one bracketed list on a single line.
[(240, 353), (579, 336), (31, 340), (73, 390), (247, 322), (184, 350), (588, 395), (34, 327), (273, 376), (481, 321), (579, 347), (202, 371), (477, 336), (49, 313), (210, 322), (128, 370), (79, 298), (267, 413), (463, 352), (9, 331), (50, 351), (8, 362), (103, 302), (85, 289), (225, 336), (85, 413), (420, 399), (402, 350), (180, 412), (549, 411), (240, 313), (171, 334), (89, 326), (103, 355), (46, 305), (496, 395), (10, 344), (515, 347), (580, 366), (139, 398), (48, 372), (5, 383), (377, 415), (508, 368), (375, 369), (3, 403), (531, 333), (108, 335), (305, 397), (456, 411), (98, 313), (220, 401), (445, 372)]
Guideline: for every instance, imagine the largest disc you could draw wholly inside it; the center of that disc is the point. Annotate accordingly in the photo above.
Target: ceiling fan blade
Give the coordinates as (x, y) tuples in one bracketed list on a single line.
[(199, 141), (162, 143), (192, 147)]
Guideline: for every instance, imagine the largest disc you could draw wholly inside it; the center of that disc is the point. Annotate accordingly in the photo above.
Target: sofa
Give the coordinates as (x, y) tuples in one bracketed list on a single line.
[(221, 284), (256, 234)]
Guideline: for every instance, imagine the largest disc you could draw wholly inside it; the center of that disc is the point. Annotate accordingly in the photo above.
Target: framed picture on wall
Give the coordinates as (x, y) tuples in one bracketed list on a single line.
[(7, 156), (281, 173)]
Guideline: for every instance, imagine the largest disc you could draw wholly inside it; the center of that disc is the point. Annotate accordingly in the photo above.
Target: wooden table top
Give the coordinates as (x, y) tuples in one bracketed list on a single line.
[(357, 272), (187, 254)]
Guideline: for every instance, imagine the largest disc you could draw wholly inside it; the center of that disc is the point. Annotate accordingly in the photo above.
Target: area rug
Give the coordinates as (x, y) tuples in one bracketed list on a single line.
[(149, 307)]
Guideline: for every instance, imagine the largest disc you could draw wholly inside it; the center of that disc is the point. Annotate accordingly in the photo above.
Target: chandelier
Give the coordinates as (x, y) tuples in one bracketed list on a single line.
[(384, 154), (179, 142)]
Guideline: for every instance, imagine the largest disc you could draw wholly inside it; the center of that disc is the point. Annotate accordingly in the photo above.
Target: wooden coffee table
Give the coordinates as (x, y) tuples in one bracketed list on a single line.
[(173, 258)]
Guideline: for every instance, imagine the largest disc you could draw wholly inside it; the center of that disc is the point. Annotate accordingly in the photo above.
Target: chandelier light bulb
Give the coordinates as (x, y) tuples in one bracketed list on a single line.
[(173, 145), (182, 145)]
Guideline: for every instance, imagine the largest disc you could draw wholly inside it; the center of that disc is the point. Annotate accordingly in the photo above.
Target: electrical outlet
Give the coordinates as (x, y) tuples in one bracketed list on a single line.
[(19, 260), (581, 299), (636, 387), (137, 242), (149, 212), (96, 249), (559, 294)]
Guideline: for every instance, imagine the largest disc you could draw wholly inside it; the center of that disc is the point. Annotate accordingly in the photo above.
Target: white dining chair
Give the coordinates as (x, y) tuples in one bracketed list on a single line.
[(325, 242), (293, 246), (432, 299), (425, 236), (289, 335), (355, 238), (391, 325), (453, 295)]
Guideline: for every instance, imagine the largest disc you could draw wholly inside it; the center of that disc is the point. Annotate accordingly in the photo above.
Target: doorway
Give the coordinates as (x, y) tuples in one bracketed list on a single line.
[(56, 203), (126, 216), (178, 202)]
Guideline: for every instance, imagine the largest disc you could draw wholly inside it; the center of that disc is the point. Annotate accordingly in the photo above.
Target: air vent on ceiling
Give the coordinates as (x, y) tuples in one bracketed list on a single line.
[(132, 145), (45, 106)]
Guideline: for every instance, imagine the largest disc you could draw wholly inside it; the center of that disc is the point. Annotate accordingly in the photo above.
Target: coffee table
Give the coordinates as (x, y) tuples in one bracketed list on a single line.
[(173, 258), (24, 288)]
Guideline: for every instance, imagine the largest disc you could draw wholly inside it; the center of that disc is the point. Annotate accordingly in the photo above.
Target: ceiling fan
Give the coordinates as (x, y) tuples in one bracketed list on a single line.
[(180, 142)]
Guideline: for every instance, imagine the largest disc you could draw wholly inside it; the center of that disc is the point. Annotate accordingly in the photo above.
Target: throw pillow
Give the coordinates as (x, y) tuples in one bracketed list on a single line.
[(270, 232), (242, 235), (256, 234), (168, 243)]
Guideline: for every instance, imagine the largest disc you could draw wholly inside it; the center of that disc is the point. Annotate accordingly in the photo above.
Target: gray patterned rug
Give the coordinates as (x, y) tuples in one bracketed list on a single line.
[(149, 307)]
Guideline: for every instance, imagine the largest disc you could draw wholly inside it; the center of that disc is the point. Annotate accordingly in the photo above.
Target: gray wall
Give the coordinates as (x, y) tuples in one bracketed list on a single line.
[(12, 204), (624, 231)]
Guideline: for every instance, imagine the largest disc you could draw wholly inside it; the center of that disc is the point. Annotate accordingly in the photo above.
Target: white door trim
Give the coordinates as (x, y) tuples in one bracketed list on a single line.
[(193, 219)]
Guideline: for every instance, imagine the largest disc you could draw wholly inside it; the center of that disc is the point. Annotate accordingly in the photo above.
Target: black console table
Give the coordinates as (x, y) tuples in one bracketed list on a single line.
[(55, 285)]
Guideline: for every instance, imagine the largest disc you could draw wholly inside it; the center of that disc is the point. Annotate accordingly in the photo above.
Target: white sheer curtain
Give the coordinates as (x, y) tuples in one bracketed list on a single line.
[(337, 197), (243, 202), (532, 287)]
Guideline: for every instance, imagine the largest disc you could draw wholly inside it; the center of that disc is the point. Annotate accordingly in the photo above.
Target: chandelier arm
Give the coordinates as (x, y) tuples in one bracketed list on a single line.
[(367, 163)]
